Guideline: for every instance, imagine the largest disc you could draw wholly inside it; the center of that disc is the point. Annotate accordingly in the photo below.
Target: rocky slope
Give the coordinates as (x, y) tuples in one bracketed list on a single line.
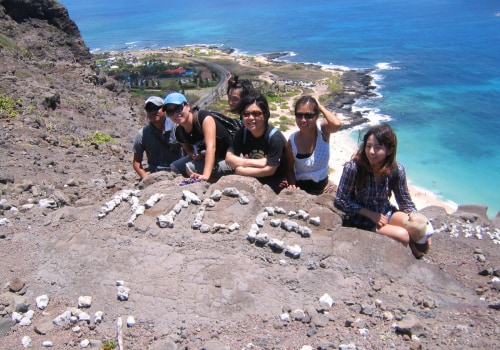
[(187, 289)]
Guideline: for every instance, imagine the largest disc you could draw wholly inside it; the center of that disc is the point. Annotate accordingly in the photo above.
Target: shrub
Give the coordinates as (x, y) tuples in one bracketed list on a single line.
[(8, 107), (7, 42), (109, 345), (99, 138)]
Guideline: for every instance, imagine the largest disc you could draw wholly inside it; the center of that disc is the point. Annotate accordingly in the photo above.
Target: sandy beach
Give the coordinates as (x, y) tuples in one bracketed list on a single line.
[(341, 143)]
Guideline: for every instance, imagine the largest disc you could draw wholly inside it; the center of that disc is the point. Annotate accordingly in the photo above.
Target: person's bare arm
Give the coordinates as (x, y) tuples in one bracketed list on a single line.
[(330, 124), (290, 165), (235, 161), (137, 165)]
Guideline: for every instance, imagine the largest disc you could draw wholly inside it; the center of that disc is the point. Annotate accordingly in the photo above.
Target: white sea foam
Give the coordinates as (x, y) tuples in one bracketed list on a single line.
[(238, 52), (204, 45), (331, 66), (386, 66)]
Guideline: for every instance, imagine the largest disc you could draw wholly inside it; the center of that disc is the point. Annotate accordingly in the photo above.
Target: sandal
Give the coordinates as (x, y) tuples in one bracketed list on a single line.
[(419, 249)]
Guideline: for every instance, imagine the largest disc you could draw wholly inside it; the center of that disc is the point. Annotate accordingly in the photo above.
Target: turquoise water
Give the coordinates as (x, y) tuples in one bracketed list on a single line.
[(437, 64)]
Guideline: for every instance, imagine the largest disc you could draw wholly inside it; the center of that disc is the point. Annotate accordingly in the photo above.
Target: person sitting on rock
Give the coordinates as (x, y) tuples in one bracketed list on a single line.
[(204, 140), (257, 148), (307, 150), (157, 139), (366, 185)]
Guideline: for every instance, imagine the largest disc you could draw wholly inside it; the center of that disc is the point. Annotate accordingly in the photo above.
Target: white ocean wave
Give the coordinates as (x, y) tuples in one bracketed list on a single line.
[(386, 66), (335, 67), (204, 45), (238, 52), (372, 114)]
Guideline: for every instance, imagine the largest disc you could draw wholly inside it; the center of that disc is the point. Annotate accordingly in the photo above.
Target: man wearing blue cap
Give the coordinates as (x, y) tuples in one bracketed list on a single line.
[(204, 139), (157, 139)]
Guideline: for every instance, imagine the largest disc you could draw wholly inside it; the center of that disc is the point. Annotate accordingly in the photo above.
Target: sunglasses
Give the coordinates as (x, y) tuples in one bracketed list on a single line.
[(255, 114), (305, 115), (152, 108), (171, 111)]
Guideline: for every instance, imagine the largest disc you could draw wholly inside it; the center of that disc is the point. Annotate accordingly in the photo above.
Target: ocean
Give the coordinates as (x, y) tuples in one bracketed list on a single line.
[(436, 64)]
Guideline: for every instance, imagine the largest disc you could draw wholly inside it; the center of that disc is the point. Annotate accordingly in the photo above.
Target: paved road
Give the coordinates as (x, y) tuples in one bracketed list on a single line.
[(219, 90)]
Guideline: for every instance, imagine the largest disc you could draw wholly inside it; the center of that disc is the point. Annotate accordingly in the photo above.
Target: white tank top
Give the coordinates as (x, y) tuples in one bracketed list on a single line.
[(315, 167)]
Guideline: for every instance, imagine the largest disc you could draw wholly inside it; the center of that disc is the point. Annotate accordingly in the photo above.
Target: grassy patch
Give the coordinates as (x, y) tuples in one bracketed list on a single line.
[(99, 138), (8, 107), (109, 345), (7, 43)]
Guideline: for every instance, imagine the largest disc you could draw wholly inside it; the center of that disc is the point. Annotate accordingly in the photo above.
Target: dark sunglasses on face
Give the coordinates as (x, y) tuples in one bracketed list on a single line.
[(152, 108), (171, 111), (305, 115), (255, 114)]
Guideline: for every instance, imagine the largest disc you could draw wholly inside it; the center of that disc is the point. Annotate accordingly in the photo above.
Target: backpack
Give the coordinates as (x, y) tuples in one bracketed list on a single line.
[(231, 124)]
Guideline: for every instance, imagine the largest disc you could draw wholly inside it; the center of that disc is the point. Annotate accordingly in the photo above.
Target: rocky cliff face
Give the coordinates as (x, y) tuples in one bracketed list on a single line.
[(55, 100), (24, 22), (192, 286)]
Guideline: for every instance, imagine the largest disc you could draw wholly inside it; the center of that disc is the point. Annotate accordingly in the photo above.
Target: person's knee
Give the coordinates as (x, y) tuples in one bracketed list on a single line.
[(396, 232), (174, 169), (403, 235), (190, 168), (398, 218)]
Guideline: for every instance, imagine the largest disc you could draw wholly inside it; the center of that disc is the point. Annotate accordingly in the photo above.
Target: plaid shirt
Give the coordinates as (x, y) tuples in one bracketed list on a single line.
[(373, 196)]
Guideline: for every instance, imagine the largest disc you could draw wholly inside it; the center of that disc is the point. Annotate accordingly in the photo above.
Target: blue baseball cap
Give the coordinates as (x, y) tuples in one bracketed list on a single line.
[(175, 98)]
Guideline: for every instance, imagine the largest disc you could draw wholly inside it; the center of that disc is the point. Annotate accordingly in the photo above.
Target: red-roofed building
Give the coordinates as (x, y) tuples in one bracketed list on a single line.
[(179, 70)]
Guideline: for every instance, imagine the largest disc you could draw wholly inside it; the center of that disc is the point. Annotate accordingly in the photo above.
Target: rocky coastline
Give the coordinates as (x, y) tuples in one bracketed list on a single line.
[(356, 85)]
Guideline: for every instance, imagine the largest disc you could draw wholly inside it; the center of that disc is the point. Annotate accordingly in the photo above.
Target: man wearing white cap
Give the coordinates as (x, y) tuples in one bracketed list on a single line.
[(157, 139)]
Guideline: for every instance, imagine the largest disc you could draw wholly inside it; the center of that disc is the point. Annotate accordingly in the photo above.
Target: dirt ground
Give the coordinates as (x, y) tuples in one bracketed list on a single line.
[(217, 290)]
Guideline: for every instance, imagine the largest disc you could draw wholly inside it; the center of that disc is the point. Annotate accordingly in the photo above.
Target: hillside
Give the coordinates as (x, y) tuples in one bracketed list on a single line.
[(188, 289)]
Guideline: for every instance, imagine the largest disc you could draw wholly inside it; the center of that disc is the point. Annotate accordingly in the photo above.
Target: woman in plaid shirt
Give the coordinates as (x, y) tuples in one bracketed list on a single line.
[(367, 183)]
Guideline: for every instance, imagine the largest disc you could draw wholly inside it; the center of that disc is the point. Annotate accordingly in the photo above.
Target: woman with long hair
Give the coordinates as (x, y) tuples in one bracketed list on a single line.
[(367, 183)]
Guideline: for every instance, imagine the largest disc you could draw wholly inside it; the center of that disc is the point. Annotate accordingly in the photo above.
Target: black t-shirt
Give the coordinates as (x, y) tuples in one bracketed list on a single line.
[(266, 146), (196, 137)]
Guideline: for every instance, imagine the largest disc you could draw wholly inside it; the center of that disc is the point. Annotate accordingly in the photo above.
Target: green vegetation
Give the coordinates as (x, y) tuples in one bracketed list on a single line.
[(272, 97), (285, 123), (7, 43), (334, 84), (8, 107), (99, 138), (109, 345)]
